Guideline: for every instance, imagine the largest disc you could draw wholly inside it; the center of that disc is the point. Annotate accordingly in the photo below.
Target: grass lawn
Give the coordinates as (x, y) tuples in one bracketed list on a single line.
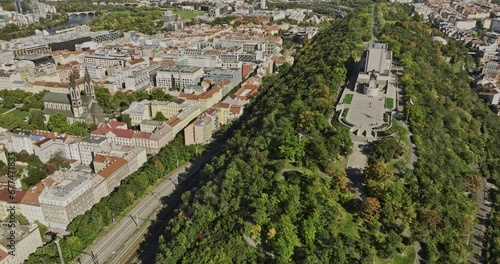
[(389, 103), (344, 114), (188, 14), (348, 98), (407, 257), (3, 110), (19, 113)]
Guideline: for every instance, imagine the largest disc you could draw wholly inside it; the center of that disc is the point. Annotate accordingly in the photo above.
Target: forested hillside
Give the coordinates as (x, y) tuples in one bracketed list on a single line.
[(267, 185), (455, 133)]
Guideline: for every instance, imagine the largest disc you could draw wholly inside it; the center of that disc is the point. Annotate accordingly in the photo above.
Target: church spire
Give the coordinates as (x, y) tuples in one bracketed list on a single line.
[(88, 84), (87, 75), (75, 97)]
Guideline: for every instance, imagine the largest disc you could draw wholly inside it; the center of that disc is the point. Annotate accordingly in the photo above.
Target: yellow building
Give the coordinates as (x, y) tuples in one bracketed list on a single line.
[(168, 109)]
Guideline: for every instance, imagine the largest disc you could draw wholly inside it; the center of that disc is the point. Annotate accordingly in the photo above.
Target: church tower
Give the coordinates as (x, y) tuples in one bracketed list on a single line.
[(89, 85), (75, 96)]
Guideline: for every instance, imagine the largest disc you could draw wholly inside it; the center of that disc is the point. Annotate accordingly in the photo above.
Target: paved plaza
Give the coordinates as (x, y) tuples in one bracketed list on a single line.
[(366, 112)]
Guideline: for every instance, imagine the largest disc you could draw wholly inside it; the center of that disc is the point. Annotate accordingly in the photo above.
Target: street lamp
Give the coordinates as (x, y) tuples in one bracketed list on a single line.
[(59, 249)]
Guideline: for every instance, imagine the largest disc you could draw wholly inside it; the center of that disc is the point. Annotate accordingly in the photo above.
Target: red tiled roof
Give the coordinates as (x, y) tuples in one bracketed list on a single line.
[(3, 255), (211, 111), (115, 163), (104, 129), (222, 105), (40, 142), (5, 196), (235, 110), (115, 124), (133, 62), (246, 69), (173, 121), (31, 197), (203, 96)]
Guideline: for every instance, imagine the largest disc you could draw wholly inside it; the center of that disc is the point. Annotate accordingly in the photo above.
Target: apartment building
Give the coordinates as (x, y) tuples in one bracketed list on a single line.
[(223, 113), (181, 120), (112, 169), (106, 59), (139, 111), (141, 78), (71, 195), (102, 36), (234, 74), (152, 142), (178, 76), (199, 132), (28, 239), (85, 149), (21, 140), (30, 204), (33, 49), (135, 157), (168, 109), (204, 100), (6, 202), (150, 125), (50, 147)]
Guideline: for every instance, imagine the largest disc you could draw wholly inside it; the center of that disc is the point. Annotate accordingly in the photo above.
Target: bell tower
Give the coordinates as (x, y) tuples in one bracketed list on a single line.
[(88, 85), (75, 96)]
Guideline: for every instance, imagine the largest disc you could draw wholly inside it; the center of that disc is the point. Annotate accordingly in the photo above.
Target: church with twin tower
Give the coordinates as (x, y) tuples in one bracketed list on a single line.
[(78, 105)]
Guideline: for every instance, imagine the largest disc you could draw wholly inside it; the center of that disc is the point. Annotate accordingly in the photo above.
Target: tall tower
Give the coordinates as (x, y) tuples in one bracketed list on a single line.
[(263, 4), (76, 98), (88, 85)]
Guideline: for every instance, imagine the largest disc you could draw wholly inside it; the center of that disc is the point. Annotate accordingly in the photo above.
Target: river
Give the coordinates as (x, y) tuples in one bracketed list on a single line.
[(72, 21)]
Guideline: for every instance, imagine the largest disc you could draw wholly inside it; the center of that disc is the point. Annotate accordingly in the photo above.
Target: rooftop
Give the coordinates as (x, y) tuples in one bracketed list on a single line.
[(112, 164)]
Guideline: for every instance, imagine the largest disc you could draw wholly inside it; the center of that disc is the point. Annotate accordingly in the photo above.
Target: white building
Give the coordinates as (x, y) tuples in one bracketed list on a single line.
[(70, 196), (21, 140), (85, 149), (174, 76)]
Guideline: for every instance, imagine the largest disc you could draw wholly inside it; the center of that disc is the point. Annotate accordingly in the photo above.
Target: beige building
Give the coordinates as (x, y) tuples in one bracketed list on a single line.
[(70, 196), (181, 120), (199, 132), (99, 187), (139, 111), (112, 169), (168, 109), (6, 202), (28, 240), (204, 100), (150, 125), (223, 109), (30, 50), (135, 157)]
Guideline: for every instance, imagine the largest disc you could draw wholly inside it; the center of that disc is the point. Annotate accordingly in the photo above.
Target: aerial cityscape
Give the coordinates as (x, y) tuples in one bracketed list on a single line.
[(269, 131)]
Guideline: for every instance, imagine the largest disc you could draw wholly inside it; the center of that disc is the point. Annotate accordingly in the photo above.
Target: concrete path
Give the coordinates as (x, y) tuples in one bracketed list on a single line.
[(10, 110)]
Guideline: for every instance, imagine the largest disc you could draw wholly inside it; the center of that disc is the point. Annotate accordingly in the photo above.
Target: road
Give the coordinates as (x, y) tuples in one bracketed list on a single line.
[(478, 237), (111, 247)]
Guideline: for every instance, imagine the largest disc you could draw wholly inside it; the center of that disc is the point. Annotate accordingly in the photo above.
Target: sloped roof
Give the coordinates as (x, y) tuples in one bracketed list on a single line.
[(56, 98)]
